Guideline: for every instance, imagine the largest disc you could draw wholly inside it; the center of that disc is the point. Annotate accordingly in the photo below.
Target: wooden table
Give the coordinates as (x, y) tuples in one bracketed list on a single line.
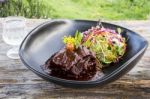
[(17, 82)]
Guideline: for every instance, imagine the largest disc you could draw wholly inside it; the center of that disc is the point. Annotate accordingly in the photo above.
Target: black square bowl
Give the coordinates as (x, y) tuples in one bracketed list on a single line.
[(46, 39)]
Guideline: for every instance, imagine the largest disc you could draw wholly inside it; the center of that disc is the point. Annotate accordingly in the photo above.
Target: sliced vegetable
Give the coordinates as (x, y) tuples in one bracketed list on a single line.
[(108, 45)]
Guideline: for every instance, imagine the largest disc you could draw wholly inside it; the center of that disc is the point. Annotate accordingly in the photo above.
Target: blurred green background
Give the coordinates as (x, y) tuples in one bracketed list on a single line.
[(77, 9)]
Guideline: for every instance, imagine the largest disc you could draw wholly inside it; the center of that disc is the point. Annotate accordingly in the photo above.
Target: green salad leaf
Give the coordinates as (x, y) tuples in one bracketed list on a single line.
[(78, 38)]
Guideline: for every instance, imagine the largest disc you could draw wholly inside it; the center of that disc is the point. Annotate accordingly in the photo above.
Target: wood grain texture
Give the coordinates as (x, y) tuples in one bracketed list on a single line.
[(17, 82)]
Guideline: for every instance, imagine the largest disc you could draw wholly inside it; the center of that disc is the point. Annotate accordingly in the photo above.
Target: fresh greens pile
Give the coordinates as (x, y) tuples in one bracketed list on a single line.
[(108, 45)]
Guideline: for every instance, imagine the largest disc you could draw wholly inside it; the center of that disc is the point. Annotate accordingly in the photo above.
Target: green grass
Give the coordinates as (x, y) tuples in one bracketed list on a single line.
[(89, 9)]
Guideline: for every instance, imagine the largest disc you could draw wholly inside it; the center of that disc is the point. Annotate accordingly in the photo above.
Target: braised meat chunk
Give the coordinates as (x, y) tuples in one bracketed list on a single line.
[(79, 64)]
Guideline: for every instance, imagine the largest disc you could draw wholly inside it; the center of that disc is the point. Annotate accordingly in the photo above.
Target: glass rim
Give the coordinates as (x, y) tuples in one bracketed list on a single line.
[(13, 18)]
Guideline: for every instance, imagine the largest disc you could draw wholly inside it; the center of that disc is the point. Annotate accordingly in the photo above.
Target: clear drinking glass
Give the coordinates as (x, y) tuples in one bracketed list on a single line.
[(14, 31)]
